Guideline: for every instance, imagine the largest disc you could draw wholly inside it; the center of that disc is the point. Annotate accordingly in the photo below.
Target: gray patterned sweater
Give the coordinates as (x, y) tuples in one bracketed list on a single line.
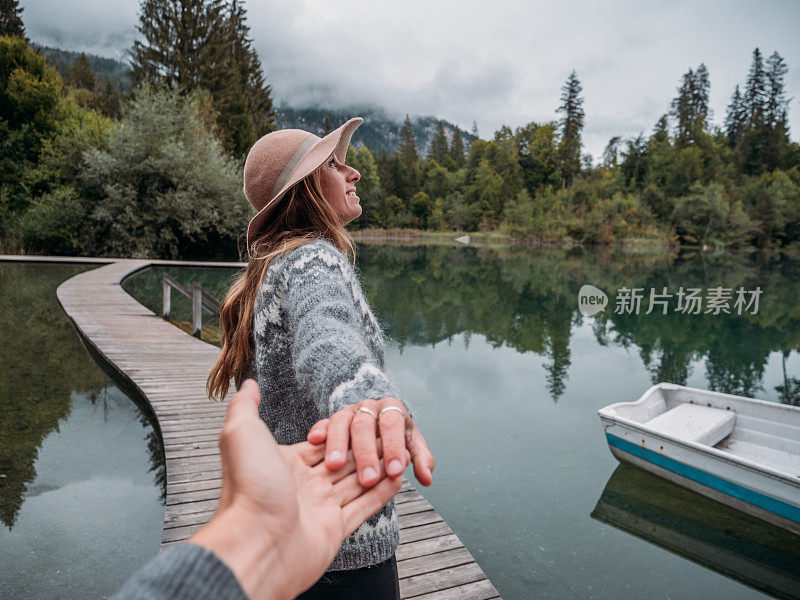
[(318, 348)]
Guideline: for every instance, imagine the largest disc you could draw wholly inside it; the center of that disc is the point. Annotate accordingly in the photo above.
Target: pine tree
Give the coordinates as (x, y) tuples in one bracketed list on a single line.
[(262, 113), (407, 146), (438, 149), (756, 90), (571, 125), (10, 20), (456, 150), (776, 96), (611, 153), (181, 42), (191, 44), (660, 131), (690, 107), (753, 147), (109, 101), (474, 132), (735, 118), (81, 75), (776, 117)]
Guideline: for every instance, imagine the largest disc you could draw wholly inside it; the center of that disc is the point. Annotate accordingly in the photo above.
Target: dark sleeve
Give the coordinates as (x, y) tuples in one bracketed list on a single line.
[(183, 572)]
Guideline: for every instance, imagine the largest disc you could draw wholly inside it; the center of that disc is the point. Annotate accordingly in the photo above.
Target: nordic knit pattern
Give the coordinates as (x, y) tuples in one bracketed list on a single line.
[(318, 348)]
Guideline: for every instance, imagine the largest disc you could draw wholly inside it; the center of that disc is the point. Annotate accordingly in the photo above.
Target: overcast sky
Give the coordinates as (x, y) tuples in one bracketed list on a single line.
[(499, 62)]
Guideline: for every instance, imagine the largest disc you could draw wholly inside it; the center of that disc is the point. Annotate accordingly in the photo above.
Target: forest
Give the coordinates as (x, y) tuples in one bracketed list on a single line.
[(90, 167)]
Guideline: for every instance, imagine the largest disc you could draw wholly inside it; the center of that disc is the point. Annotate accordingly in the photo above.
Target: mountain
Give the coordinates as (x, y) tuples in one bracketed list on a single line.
[(380, 132), (115, 71)]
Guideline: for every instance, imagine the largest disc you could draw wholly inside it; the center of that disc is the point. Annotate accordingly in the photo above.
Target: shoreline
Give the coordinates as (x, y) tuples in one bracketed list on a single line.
[(485, 238)]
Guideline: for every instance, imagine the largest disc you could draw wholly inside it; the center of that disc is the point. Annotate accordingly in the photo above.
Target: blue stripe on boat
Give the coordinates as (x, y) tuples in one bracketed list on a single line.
[(731, 489)]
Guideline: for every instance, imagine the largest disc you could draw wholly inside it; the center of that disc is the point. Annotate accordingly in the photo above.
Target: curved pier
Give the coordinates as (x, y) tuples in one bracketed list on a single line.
[(168, 369)]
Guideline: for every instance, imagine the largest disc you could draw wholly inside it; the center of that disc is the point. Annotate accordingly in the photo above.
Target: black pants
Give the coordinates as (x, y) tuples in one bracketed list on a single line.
[(378, 582)]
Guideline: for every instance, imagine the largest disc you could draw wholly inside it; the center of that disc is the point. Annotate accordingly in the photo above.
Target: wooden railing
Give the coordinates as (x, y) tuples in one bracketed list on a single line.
[(201, 301)]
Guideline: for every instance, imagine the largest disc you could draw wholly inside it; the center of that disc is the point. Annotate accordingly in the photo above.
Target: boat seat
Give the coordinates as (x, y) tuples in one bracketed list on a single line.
[(694, 423)]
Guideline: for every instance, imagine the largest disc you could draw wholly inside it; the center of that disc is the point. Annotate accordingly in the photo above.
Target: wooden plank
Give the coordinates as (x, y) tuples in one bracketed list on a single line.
[(439, 580), (479, 590), (415, 506), (423, 518), (170, 367), (433, 562), (430, 546), (424, 532), (173, 521)]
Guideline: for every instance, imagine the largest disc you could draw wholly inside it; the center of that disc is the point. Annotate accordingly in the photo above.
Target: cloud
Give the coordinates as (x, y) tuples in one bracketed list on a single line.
[(496, 63)]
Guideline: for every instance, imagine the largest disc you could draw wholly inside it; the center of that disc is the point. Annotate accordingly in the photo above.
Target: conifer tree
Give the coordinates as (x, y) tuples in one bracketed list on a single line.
[(611, 152), (10, 20), (259, 94), (190, 44), (456, 150), (474, 132), (108, 100), (775, 118), (776, 96), (735, 118), (438, 149), (81, 75), (407, 146), (180, 42), (753, 148), (690, 107), (571, 125), (756, 90), (660, 131)]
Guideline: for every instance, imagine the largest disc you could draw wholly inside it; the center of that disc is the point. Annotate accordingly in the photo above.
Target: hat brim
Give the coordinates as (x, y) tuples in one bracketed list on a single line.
[(336, 142)]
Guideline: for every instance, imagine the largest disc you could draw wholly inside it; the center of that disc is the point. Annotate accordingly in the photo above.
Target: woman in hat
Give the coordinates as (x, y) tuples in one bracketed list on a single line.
[(297, 321)]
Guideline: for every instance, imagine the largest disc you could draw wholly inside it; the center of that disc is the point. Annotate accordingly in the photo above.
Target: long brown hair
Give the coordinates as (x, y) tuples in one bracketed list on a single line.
[(302, 215)]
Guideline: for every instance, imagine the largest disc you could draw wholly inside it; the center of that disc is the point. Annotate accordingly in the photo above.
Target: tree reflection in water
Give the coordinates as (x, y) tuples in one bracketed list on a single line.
[(43, 365), (526, 298)]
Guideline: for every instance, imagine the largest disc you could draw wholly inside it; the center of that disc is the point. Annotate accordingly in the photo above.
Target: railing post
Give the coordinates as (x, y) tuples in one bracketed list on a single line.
[(197, 309), (166, 297)]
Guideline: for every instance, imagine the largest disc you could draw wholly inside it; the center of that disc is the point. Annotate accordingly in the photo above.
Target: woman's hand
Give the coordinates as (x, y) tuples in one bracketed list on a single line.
[(360, 426)]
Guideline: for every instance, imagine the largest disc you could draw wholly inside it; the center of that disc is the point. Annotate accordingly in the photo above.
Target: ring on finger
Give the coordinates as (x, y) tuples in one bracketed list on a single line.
[(388, 408), (368, 411)]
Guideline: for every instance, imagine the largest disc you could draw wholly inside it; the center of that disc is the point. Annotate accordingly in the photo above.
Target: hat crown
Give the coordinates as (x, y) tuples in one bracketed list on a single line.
[(266, 161)]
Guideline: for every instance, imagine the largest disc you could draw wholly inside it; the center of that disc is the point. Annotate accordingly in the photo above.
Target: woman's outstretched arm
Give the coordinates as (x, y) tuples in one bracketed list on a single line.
[(337, 360)]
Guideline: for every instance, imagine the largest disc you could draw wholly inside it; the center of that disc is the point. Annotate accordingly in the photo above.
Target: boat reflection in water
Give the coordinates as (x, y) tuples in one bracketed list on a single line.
[(706, 532)]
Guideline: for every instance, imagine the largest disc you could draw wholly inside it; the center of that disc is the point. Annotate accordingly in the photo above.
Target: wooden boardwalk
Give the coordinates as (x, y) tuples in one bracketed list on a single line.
[(169, 368)]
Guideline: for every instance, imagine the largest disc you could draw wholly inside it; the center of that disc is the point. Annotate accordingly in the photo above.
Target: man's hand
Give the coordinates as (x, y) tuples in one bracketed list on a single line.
[(361, 426), (282, 513)]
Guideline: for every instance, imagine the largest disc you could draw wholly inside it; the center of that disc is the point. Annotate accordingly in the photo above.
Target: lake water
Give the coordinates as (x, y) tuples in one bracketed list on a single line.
[(81, 468), (505, 376)]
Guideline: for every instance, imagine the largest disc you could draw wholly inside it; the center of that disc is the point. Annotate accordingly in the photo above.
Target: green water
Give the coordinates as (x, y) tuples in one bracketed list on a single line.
[(505, 376), (81, 468)]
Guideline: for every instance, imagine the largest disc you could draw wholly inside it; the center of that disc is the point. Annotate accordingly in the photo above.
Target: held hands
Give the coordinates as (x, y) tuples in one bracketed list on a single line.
[(361, 426), (282, 513)]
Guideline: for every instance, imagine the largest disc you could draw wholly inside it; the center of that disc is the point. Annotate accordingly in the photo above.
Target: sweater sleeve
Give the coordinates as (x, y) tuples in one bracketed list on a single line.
[(332, 356), (183, 572)]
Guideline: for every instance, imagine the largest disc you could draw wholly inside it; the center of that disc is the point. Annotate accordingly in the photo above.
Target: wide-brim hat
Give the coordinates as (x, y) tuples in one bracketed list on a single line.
[(280, 159)]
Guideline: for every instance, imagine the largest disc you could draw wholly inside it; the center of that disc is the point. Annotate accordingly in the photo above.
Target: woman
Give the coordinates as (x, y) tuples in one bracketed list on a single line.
[(297, 322)]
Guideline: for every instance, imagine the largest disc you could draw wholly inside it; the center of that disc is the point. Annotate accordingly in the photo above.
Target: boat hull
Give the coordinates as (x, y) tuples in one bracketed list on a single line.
[(715, 483), (736, 545)]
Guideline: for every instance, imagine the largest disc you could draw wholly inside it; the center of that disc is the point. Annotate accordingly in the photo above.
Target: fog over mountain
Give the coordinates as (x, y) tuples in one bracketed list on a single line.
[(495, 63)]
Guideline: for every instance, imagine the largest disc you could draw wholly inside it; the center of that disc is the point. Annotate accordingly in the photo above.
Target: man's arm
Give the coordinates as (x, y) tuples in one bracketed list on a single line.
[(281, 518)]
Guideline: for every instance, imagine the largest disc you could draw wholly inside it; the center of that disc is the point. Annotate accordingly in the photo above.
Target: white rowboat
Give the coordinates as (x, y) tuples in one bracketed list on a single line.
[(736, 450)]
